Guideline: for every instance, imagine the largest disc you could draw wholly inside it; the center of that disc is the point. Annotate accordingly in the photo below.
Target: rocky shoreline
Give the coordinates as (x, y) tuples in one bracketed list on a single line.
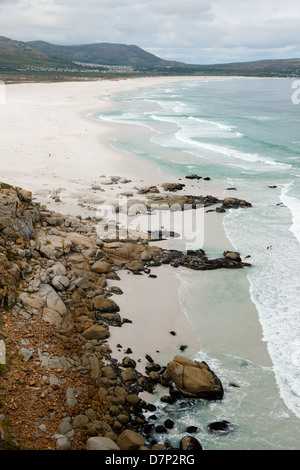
[(61, 387)]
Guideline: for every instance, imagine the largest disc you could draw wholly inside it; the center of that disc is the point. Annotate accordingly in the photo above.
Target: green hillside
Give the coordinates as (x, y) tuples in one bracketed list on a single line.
[(19, 54), (40, 60), (102, 53)]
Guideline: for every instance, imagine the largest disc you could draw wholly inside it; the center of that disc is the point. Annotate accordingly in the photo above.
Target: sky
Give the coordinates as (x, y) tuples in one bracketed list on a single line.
[(190, 31)]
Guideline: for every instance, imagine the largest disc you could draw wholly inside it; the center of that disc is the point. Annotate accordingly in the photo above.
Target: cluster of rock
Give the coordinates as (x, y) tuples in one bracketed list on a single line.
[(179, 202), (57, 307), (197, 260)]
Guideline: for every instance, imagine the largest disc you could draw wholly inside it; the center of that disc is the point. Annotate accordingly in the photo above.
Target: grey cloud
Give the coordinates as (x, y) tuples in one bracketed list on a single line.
[(193, 31)]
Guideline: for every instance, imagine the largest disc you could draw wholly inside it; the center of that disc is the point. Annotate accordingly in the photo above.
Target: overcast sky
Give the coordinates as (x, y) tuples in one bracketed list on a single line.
[(192, 31)]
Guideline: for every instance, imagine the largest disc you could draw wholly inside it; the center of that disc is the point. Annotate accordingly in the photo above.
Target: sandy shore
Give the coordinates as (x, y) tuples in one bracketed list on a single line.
[(49, 146)]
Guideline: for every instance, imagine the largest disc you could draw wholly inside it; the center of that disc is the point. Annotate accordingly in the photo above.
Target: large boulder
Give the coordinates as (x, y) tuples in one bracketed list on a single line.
[(96, 332), (194, 379), (101, 443), (15, 213), (101, 267), (190, 443), (233, 256), (172, 186), (234, 203), (52, 246), (104, 305), (130, 440)]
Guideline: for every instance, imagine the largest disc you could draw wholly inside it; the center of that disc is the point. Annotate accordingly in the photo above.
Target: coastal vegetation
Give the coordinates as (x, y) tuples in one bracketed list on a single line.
[(41, 61)]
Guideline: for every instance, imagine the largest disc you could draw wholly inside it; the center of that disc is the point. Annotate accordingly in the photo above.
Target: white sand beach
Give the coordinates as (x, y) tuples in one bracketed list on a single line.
[(49, 144), (51, 147)]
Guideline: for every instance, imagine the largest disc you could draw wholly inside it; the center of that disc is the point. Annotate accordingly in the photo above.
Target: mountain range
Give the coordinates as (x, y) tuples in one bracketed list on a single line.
[(33, 54)]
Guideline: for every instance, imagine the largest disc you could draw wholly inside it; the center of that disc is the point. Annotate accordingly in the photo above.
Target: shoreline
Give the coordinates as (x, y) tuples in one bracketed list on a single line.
[(71, 185), (56, 156)]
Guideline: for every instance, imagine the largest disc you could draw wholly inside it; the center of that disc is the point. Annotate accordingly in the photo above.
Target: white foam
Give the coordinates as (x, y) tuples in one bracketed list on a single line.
[(274, 284), (294, 205), (229, 152), (195, 127), (126, 118)]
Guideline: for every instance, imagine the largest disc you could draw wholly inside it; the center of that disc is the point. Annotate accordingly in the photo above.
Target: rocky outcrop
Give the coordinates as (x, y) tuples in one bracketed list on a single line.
[(179, 202), (130, 440), (235, 203), (58, 310), (197, 260), (15, 212), (172, 186), (194, 379), (190, 444)]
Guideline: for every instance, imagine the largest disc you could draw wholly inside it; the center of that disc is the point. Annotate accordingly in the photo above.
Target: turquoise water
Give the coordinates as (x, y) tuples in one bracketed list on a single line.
[(243, 133)]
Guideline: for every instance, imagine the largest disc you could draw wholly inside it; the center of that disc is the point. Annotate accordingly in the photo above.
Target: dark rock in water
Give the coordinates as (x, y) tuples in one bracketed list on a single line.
[(169, 424), (172, 333), (148, 428), (220, 427), (186, 404), (234, 203), (191, 429), (183, 348), (207, 178), (232, 384), (230, 189), (193, 177), (194, 379), (232, 255), (272, 187), (168, 399), (197, 260), (153, 417), (150, 407), (160, 429), (190, 443), (196, 253), (152, 276)]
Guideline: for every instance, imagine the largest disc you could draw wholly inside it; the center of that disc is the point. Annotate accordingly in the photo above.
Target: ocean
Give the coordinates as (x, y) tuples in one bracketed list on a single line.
[(243, 133)]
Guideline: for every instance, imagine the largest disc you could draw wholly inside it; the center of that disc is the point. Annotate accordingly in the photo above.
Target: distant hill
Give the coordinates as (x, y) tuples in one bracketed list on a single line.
[(102, 53), (15, 55), (269, 67), (20, 54)]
